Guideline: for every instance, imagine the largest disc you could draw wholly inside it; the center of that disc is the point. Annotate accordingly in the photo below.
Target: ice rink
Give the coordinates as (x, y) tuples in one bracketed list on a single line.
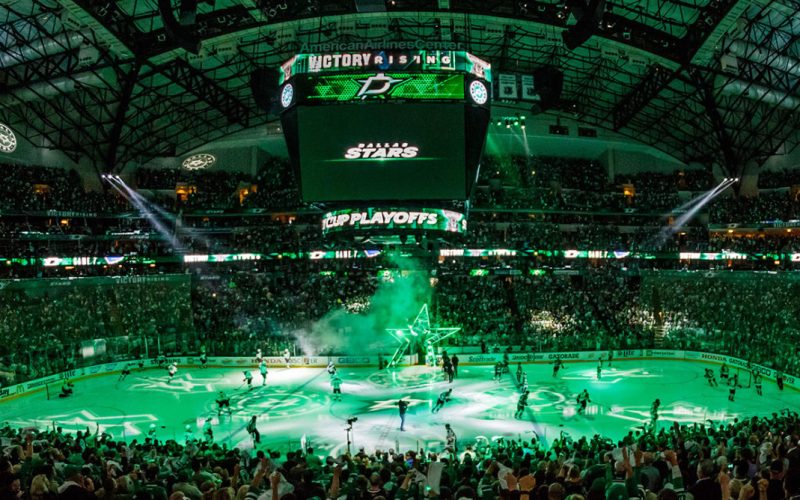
[(296, 404)]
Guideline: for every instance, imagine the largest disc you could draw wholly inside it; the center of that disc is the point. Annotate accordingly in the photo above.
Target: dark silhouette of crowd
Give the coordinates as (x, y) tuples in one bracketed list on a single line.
[(753, 458)]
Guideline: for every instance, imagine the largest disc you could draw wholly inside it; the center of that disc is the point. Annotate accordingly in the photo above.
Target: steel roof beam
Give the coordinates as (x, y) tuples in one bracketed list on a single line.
[(195, 83)]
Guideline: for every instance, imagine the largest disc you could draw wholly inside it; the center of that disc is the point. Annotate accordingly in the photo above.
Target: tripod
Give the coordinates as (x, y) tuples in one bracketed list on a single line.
[(349, 431)]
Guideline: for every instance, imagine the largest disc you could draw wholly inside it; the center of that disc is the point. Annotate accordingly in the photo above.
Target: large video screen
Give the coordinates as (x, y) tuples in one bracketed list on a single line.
[(413, 151), (381, 86)]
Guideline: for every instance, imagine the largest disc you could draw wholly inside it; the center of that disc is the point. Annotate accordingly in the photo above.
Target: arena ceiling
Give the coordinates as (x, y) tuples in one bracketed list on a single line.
[(704, 80)]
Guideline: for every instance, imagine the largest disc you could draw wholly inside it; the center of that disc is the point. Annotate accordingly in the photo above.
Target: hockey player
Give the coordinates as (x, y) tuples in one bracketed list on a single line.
[(454, 361), (734, 380), (331, 369), (521, 404), (712, 379), (259, 356), (126, 370), (449, 373), (203, 360), (151, 433), (498, 371), (253, 431), (262, 369), (208, 432), (610, 357), (287, 356), (336, 383), (731, 393), (523, 384), (583, 400), (451, 439), (443, 398), (758, 383), (172, 369), (724, 371), (519, 372), (248, 377), (445, 362), (779, 379), (557, 365), (223, 401), (67, 388), (599, 368)]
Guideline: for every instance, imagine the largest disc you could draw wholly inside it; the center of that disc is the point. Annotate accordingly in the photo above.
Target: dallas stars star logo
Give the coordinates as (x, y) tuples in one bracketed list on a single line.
[(186, 383), (611, 375), (421, 329), (376, 85), (682, 412), (79, 420), (388, 404)]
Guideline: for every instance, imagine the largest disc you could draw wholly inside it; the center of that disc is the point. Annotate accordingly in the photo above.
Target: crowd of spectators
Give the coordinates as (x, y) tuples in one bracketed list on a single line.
[(233, 313), (31, 188), (564, 184), (536, 183), (767, 206), (45, 325), (273, 187), (277, 186), (757, 457), (771, 179), (573, 203), (751, 315)]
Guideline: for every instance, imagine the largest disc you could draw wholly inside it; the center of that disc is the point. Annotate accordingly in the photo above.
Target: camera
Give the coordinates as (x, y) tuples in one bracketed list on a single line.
[(351, 420)]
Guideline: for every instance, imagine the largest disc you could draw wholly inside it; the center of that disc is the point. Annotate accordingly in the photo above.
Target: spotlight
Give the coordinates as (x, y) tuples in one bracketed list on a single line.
[(725, 179)]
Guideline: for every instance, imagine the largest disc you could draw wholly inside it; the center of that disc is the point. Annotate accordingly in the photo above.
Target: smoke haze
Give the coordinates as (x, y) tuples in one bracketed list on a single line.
[(395, 304)]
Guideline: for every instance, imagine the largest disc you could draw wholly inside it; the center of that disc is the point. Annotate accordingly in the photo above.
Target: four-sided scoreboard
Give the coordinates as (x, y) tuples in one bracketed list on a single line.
[(385, 125)]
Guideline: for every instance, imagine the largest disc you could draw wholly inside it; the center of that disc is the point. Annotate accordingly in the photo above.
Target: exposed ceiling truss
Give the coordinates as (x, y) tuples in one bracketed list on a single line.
[(714, 81)]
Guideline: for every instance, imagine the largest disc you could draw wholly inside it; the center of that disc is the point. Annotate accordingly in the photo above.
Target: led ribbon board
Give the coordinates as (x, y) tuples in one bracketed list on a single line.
[(426, 219), (382, 85), (387, 61)]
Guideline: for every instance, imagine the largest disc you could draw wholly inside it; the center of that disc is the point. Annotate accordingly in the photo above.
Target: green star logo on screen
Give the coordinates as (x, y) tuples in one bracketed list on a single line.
[(377, 85)]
